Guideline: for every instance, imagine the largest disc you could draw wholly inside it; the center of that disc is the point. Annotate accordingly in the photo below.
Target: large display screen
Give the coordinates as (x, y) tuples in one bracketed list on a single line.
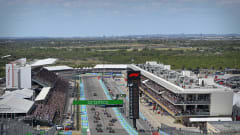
[(133, 79)]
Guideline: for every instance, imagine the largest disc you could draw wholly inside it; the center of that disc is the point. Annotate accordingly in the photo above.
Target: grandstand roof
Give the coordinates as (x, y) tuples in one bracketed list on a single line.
[(227, 76), (24, 93), (111, 66), (43, 94), (42, 62), (12, 104), (58, 68), (175, 88), (210, 119)]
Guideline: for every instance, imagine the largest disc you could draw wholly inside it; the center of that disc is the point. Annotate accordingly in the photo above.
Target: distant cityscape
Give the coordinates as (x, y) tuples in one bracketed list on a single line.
[(190, 36)]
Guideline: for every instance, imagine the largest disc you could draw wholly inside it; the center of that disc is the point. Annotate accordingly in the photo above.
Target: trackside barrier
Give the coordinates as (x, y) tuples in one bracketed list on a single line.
[(121, 119), (140, 114), (84, 117)]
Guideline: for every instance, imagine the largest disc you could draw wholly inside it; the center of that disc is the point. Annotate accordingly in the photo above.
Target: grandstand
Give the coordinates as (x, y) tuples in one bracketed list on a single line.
[(50, 102), (58, 68), (43, 102), (43, 62), (22, 93), (179, 94), (111, 68), (12, 106), (45, 78), (182, 95), (43, 94)]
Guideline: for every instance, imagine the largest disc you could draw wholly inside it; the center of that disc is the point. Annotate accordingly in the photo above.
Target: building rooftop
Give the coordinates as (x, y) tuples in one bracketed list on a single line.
[(24, 93), (111, 66), (43, 94), (210, 119), (42, 62), (179, 82), (21, 61), (12, 104), (58, 68)]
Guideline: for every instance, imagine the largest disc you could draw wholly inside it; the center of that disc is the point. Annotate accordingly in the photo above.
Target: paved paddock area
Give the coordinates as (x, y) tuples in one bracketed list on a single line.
[(152, 117)]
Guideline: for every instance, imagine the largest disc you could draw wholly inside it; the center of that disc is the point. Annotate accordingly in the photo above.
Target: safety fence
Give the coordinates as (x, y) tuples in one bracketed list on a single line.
[(14, 127)]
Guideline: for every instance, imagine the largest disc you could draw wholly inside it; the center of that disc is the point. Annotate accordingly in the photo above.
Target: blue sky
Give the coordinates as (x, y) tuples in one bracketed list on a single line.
[(81, 18)]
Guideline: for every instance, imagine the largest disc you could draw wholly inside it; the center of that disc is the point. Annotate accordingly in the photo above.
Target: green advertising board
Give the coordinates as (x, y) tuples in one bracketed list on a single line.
[(97, 102), (29, 133)]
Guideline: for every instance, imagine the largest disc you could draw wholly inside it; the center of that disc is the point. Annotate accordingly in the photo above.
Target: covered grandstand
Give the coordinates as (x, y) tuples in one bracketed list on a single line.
[(183, 96), (59, 68), (43, 62), (50, 102), (45, 78), (43, 94), (15, 106), (24, 93), (112, 68)]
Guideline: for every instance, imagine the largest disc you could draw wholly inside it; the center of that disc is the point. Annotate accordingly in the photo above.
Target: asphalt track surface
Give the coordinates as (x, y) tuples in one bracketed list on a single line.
[(141, 124), (91, 86)]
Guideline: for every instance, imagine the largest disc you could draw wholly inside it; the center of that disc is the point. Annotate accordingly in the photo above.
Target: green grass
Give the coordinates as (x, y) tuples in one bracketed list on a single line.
[(204, 54)]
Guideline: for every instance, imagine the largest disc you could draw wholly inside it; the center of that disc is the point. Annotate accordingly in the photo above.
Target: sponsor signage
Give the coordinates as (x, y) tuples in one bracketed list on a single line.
[(97, 102)]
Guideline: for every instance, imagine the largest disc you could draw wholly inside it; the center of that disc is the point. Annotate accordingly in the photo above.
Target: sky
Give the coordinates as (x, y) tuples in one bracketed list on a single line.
[(88, 18)]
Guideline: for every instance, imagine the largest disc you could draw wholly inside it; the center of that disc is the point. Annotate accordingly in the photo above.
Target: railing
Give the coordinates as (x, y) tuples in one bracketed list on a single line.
[(193, 113), (14, 127), (197, 102), (205, 102)]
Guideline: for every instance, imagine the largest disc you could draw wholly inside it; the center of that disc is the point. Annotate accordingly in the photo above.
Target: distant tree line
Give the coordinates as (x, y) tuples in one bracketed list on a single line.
[(209, 54)]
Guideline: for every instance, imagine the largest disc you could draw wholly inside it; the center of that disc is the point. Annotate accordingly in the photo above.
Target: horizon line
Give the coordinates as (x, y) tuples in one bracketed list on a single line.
[(107, 36)]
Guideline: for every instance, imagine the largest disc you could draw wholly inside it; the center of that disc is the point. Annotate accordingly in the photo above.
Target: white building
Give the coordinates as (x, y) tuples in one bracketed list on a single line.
[(186, 96), (18, 74)]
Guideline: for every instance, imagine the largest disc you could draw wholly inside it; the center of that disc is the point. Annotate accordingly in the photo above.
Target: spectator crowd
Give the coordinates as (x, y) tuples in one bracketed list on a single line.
[(53, 107), (46, 77)]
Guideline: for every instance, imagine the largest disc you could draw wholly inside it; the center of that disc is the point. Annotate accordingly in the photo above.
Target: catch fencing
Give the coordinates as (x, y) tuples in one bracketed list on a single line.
[(13, 127)]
